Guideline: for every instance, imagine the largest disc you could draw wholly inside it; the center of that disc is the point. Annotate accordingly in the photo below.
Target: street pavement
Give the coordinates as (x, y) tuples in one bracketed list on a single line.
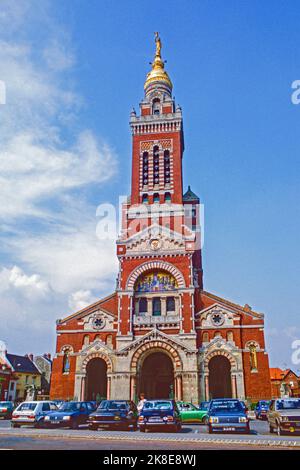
[(191, 437)]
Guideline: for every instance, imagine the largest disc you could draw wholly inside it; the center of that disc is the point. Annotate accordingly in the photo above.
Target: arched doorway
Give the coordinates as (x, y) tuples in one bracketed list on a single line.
[(96, 379), (156, 378), (219, 377)]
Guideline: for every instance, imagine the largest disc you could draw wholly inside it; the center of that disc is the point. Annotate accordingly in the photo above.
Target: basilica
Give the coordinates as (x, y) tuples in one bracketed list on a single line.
[(160, 333)]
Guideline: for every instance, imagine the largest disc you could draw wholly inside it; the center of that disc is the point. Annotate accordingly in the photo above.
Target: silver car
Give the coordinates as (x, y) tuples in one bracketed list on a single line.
[(284, 415), (32, 413)]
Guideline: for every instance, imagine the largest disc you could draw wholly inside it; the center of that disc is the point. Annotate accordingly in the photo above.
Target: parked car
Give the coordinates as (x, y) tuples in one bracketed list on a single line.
[(261, 409), (189, 413), (284, 415), (70, 415), (117, 414), (227, 415), (6, 409), (59, 403), (160, 414), (32, 413)]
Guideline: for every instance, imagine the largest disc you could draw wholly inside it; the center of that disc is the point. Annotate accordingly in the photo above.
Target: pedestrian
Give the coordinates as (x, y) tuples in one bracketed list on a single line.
[(141, 402)]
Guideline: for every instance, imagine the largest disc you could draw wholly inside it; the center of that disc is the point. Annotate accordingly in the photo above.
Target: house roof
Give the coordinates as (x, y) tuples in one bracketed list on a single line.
[(279, 374), (190, 195), (22, 364), (107, 304), (246, 308)]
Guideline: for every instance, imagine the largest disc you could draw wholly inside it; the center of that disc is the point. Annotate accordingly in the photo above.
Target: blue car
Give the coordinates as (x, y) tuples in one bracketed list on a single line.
[(161, 415), (261, 409), (227, 415), (71, 414)]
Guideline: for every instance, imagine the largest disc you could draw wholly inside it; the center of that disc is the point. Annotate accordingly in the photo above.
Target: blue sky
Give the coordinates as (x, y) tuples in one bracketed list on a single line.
[(73, 70)]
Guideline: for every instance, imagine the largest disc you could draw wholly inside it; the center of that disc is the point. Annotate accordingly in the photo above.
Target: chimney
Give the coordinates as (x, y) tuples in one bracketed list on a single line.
[(30, 356)]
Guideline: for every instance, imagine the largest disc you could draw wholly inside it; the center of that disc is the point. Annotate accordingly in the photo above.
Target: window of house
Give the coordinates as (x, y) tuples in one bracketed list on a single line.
[(142, 305), (155, 165), (156, 198), (156, 306), (170, 304), (168, 197), (145, 168), (156, 106), (167, 174), (145, 199)]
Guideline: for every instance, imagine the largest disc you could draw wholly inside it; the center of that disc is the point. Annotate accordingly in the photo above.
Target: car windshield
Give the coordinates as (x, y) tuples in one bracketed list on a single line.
[(204, 405), (288, 405), (232, 406), (158, 405), (27, 406), (113, 405), (70, 406)]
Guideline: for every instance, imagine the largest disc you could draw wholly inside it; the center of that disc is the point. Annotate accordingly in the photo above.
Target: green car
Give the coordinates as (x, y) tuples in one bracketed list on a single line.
[(189, 413)]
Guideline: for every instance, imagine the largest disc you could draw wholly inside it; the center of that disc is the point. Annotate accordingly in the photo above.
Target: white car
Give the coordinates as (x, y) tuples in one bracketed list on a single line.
[(32, 413)]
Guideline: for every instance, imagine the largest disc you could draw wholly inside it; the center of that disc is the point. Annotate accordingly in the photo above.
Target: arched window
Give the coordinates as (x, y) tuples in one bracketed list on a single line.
[(155, 165), (229, 336), (205, 337), (217, 334), (156, 106), (86, 340), (170, 304), (145, 199), (145, 168), (142, 306), (66, 362), (97, 338), (156, 306), (156, 198), (167, 167), (167, 197)]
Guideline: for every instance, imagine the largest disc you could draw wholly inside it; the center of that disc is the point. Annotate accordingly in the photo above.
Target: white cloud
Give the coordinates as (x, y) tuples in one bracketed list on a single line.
[(81, 299), (46, 159)]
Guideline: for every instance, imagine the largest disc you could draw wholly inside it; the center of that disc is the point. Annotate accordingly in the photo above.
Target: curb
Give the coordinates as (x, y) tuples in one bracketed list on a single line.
[(250, 442)]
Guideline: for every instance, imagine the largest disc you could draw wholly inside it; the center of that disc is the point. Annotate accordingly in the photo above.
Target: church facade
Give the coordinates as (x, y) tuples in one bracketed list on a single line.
[(160, 332)]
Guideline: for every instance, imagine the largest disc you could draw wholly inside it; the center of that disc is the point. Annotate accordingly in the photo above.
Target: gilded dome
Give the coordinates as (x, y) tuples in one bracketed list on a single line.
[(158, 73)]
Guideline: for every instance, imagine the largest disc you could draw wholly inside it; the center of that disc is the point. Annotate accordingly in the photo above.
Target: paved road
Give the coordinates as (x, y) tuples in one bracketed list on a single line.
[(191, 437)]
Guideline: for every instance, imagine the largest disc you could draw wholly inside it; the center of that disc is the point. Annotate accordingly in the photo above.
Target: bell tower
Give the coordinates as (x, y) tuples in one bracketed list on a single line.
[(157, 140), (160, 273)]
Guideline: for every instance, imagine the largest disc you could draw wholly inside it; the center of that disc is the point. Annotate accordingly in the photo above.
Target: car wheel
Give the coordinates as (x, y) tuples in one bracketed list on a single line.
[(271, 429), (179, 428), (74, 425), (37, 425), (142, 429), (205, 420)]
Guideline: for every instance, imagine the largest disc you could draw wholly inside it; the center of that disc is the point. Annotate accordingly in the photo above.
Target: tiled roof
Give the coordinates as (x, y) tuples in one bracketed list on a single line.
[(22, 364), (190, 195)]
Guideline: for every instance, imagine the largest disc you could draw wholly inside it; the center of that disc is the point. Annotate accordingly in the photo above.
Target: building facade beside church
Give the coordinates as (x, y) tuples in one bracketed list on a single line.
[(160, 332)]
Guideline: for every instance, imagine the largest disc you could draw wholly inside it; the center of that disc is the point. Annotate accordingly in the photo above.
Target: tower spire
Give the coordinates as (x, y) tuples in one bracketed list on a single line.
[(158, 76)]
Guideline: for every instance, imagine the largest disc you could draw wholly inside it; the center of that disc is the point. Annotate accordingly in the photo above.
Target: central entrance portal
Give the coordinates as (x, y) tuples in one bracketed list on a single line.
[(96, 380), (157, 376)]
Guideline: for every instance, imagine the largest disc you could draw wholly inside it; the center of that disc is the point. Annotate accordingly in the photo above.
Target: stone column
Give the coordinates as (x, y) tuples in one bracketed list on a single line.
[(163, 306), (178, 388), (233, 385), (108, 387), (132, 387), (82, 393), (149, 306)]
